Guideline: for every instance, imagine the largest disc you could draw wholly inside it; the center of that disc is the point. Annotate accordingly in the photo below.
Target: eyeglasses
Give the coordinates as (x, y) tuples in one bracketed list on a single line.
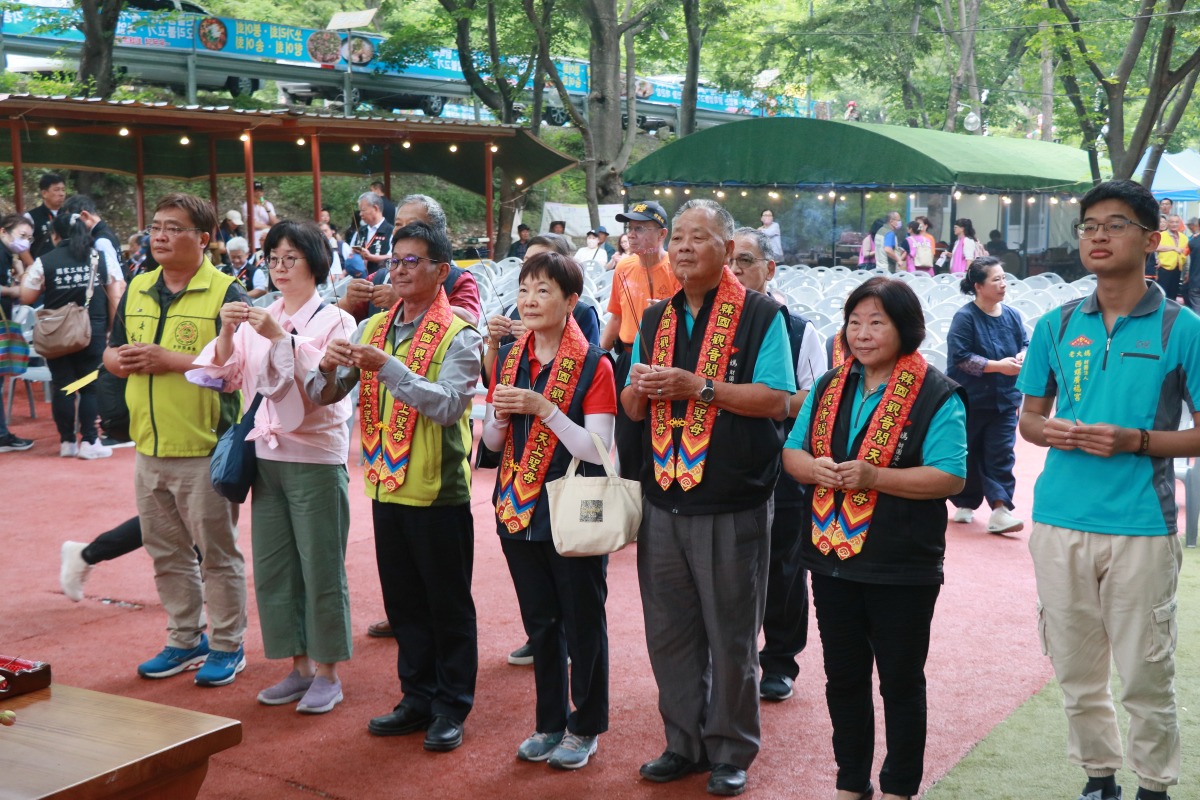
[(1115, 228), (171, 231), (643, 230), (284, 262), (745, 260), (408, 262)]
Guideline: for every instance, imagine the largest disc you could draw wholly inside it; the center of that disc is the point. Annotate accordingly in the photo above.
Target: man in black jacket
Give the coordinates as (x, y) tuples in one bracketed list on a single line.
[(54, 194)]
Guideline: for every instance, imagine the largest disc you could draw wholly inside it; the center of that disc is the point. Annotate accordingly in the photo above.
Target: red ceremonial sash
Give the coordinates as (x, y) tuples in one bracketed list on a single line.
[(521, 484), (844, 530), (839, 349), (386, 445), (685, 462)]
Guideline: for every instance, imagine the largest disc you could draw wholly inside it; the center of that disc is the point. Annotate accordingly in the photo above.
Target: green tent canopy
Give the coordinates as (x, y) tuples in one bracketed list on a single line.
[(814, 154)]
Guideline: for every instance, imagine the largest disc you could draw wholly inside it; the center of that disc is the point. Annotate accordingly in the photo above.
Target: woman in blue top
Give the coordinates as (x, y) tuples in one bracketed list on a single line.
[(985, 348)]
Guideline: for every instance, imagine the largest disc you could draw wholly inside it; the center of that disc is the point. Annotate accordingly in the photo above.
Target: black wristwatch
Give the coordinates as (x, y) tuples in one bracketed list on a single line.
[(708, 392)]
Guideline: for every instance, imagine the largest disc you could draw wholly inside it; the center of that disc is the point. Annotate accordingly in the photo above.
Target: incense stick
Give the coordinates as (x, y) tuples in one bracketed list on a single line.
[(1063, 372)]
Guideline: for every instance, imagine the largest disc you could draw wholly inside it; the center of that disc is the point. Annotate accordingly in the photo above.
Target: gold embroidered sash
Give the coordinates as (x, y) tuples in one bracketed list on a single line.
[(386, 445), (521, 483), (685, 462), (844, 530)]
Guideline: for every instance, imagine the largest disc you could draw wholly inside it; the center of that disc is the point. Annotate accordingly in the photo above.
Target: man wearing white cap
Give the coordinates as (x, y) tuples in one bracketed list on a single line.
[(230, 228)]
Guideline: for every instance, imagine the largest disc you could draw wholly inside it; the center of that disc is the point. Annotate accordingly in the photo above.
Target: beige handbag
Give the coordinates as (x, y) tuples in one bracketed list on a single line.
[(594, 516), (61, 331)]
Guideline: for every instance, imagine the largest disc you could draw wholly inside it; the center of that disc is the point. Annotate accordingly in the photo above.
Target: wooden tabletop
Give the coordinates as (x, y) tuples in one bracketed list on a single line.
[(79, 744)]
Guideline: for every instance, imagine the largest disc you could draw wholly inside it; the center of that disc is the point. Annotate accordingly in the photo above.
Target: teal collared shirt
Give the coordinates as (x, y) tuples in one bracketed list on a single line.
[(774, 366), (1138, 375), (945, 446)]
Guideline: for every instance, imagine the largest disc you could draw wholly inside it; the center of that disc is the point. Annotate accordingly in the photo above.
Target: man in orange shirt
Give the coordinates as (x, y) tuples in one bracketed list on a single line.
[(640, 279)]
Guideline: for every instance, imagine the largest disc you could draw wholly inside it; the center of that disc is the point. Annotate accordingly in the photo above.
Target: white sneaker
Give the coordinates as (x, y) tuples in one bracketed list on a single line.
[(74, 570), (93, 450), (964, 515), (67, 450), (1003, 522)]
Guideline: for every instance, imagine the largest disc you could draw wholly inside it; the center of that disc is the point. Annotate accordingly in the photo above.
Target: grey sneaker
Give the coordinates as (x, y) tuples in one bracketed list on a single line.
[(322, 696), (574, 752), (539, 746), (74, 570), (288, 690)]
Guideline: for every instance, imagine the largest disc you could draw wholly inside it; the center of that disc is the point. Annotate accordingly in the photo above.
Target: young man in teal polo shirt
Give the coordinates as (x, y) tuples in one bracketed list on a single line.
[(1115, 369)]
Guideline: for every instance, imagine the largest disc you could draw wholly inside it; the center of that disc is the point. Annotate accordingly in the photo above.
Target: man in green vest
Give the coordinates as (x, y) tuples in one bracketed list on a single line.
[(163, 321), (418, 363)]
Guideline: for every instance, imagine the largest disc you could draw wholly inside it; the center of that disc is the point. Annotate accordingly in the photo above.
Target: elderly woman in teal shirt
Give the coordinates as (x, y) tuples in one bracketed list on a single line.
[(882, 439)]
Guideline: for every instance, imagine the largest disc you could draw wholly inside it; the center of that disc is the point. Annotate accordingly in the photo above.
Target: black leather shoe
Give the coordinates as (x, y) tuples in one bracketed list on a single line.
[(670, 767), (444, 735), (775, 687), (404, 719), (727, 780)]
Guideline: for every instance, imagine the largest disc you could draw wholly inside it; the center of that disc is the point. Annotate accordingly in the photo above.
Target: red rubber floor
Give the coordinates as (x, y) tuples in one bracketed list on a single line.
[(984, 660)]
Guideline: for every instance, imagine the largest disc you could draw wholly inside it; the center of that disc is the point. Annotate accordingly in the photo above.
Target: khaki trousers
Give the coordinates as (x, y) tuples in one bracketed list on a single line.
[(179, 509), (1105, 598)]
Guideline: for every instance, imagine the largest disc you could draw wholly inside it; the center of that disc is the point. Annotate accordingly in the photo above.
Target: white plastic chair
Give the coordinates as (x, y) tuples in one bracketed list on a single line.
[(820, 319), (831, 306), (1029, 308), (940, 293), (1063, 292), (940, 326)]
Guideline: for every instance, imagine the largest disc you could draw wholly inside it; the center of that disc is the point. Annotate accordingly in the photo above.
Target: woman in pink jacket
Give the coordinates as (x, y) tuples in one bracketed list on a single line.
[(300, 508)]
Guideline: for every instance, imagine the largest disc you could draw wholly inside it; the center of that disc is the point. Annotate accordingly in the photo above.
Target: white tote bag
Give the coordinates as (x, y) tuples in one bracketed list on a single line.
[(594, 516)]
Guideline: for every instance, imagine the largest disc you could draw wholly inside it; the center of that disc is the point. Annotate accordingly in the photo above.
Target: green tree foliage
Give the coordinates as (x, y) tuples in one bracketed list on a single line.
[(1128, 70)]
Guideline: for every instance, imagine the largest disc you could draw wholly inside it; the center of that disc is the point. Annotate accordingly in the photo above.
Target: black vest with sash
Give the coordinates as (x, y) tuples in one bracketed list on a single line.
[(742, 464), (519, 425), (906, 543)]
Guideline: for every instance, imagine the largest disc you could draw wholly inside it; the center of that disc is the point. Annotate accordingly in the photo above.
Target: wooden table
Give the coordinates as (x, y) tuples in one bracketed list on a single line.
[(78, 744)]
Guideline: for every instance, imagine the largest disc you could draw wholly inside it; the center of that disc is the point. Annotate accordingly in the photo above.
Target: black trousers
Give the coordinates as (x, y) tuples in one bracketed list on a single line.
[(125, 538), (627, 433), (991, 437), (64, 371), (785, 622), (425, 558), (864, 625), (562, 607), (1168, 279)]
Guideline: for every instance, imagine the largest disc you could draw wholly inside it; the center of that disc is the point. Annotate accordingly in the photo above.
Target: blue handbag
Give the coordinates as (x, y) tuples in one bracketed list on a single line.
[(234, 463)]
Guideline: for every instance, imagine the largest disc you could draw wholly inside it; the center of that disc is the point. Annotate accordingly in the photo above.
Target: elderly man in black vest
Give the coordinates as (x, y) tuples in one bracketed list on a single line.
[(713, 395)]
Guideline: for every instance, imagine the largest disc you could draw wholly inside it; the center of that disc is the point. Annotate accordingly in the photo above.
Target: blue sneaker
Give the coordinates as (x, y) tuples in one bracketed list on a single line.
[(174, 660), (221, 667)]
